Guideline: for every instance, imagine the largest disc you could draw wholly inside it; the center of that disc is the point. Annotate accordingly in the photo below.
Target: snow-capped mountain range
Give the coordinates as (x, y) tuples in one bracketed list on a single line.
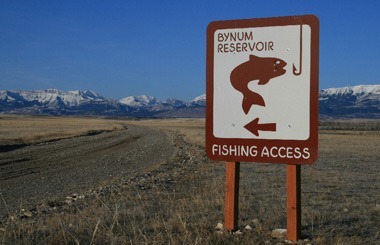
[(361, 101), (51, 97), (57, 102), (356, 101)]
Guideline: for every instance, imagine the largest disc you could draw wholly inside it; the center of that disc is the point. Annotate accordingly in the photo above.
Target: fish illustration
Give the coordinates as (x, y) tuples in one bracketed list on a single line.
[(256, 68)]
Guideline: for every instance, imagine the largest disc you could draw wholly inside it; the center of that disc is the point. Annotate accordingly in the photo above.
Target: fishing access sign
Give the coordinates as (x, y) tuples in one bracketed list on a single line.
[(262, 90)]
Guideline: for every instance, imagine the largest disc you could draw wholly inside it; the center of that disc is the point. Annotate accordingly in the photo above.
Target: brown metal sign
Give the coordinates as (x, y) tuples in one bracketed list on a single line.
[(262, 90)]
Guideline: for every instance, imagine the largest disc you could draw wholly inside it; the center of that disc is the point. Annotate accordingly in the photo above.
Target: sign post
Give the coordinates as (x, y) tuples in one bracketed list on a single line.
[(262, 99), (293, 201), (231, 210)]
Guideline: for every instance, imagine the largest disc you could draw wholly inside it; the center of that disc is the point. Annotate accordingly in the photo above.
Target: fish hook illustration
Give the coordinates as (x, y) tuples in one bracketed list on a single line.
[(295, 71)]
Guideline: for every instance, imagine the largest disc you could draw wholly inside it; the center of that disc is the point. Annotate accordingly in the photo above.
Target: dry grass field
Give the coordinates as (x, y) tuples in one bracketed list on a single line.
[(340, 193), (181, 201), (15, 130), (193, 130)]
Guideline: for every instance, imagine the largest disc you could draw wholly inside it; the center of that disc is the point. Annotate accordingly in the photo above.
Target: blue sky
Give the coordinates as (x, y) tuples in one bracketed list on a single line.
[(122, 48)]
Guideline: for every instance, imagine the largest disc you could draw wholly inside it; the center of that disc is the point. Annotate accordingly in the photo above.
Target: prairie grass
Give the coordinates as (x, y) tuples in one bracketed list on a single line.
[(182, 201), (192, 129), (353, 124), (35, 129)]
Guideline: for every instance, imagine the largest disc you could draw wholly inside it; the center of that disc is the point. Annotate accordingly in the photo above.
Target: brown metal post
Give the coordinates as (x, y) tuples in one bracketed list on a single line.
[(293, 201), (232, 196)]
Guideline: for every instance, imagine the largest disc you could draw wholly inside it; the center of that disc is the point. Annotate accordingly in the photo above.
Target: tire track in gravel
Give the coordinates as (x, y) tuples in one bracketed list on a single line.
[(48, 170)]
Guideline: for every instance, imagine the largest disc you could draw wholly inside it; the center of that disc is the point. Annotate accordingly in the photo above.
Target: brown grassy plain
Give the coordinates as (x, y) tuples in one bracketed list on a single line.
[(34, 129), (340, 192), (340, 199), (193, 130)]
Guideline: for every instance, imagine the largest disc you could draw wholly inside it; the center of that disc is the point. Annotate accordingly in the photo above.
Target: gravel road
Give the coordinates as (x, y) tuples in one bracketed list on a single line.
[(48, 170)]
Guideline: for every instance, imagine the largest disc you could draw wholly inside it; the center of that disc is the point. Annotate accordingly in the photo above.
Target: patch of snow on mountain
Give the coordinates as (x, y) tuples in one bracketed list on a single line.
[(174, 102), (4, 95), (87, 93), (356, 90), (200, 98), (139, 101), (198, 101), (48, 96)]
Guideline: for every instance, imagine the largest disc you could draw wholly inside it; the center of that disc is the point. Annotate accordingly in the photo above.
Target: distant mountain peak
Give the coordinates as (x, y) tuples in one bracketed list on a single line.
[(52, 101), (199, 101), (353, 101), (139, 101), (174, 102), (89, 93), (199, 98), (358, 89)]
